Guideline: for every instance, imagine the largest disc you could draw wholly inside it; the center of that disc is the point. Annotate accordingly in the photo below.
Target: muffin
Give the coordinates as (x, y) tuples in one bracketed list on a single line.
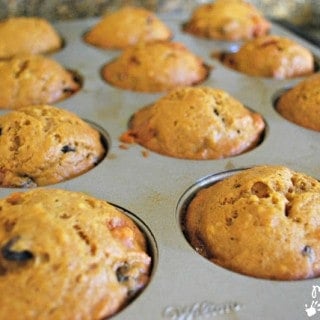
[(262, 222), (88, 261), (301, 104), (229, 20), (196, 123), (42, 145), (271, 56), (34, 79), (155, 67), (27, 35), (125, 27)]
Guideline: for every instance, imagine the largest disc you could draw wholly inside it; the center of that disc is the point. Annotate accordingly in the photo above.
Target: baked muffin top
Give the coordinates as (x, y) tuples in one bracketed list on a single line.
[(196, 123), (301, 103), (34, 79), (27, 35), (229, 20), (125, 27), (155, 67), (42, 145), (67, 255), (272, 56), (263, 222)]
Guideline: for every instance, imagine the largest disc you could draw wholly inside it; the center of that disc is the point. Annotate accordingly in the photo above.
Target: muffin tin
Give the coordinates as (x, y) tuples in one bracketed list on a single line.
[(156, 188)]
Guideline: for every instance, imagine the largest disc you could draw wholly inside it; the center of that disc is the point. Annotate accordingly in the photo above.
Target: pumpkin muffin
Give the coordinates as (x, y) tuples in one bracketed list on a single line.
[(42, 145), (196, 123), (271, 56), (229, 20), (262, 222), (125, 27), (34, 79), (155, 67), (27, 35), (67, 255), (301, 103)]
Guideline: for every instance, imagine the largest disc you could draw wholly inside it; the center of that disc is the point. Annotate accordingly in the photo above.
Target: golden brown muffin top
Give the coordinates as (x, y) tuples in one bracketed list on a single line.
[(67, 255), (301, 104), (229, 20), (125, 27), (27, 35), (263, 222), (155, 67), (272, 56), (34, 79), (196, 123), (42, 145)]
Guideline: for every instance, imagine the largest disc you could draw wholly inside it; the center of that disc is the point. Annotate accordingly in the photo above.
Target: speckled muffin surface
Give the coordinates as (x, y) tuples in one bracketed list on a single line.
[(272, 56), (42, 145), (125, 27), (27, 35), (301, 103), (196, 123), (263, 222), (34, 79), (155, 67), (88, 260), (229, 20)]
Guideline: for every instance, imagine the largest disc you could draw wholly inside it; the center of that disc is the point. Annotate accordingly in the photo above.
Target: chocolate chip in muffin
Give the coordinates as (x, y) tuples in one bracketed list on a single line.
[(77, 78), (27, 181), (68, 148), (12, 255), (121, 273), (307, 251)]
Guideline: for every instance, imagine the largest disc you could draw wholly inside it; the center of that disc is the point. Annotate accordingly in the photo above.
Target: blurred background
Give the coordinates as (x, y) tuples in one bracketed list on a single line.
[(302, 15)]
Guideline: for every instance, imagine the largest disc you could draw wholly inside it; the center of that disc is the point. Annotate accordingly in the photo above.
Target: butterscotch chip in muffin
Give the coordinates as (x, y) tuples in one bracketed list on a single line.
[(67, 255), (272, 56), (196, 123), (262, 222), (42, 145), (27, 35), (34, 79), (229, 20), (301, 103), (125, 27), (155, 67)]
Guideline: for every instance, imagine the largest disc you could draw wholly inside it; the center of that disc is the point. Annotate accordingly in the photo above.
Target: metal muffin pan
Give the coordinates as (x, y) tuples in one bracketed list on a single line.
[(184, 285)]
